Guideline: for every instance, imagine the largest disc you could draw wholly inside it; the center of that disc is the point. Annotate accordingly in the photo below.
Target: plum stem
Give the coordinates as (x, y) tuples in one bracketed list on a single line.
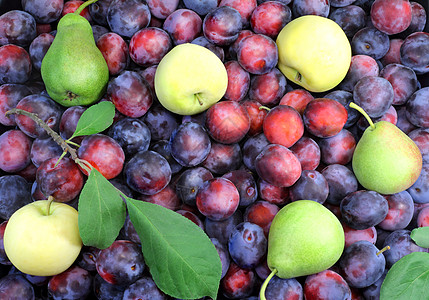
[(264, 285), (48, 209), (360, 109), (382, 250), (83, 5)]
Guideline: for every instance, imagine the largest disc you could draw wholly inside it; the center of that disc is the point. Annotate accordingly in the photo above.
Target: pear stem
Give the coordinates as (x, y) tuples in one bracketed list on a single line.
[(265, 284), (50, 199), (382, 250), (360, 109), (264, 107), (83, 5)]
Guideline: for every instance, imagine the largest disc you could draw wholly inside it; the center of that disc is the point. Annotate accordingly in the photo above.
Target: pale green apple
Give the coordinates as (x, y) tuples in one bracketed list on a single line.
[(41, 243), (189, 79), (314, 52)]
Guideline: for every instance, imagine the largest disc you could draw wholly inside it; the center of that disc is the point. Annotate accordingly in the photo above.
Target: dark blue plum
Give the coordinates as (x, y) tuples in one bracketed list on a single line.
[(311, 185), (144, 289), (121, 263), (363, 209), (189, 182), (161, 122), (98, 11), (201, 7), (401, 210), (44, 11), (163, 147), (133, 135), (17, 27), (251, 148), (74, 283), (361, 264), (15, 192), (371, 42), (223, 158), (247, 245), (414, 52), (15, 64), (126, 17), (374, 95), (351, 18), (106, 291), (38, 48), (43, 149), (417, 107), (419, 191), (190, 144), (341, 182), (221, 230), (223, 254), (147, 172), (279, 288), (345, 97), (15, 286), (400, 244), (245, 184)]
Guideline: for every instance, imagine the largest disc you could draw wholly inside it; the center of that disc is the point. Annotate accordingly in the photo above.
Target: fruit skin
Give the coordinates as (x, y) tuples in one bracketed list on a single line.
[(304, 238), (189, 79), (314, 52), (74, 70), (386, 160), (40, 244)]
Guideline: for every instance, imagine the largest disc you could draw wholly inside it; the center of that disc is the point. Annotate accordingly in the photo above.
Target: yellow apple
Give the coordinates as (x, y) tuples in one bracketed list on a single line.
[(314, 52), (41, 243), (189, 79)]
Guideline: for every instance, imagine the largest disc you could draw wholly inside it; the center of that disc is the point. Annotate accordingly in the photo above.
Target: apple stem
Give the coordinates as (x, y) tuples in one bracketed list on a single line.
[(298, 76), (265, 284), (50, 199), (199, 100), (264, 107), (83, 5), (360, 109), (382, 250)]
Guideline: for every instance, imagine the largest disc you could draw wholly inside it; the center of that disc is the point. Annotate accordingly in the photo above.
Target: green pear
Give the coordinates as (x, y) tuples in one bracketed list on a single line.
[(385, 159), (74, 70), (304, 238)]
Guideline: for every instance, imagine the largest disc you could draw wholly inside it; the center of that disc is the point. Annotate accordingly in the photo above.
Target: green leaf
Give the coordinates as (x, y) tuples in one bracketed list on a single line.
[(421, 236), (102, 211), (407, 279), (95, 119), (182, 260)]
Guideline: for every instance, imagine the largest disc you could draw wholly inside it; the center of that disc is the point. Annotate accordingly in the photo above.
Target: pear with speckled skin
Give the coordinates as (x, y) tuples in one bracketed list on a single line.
[(385, 159), (304, 238), (74, 70)]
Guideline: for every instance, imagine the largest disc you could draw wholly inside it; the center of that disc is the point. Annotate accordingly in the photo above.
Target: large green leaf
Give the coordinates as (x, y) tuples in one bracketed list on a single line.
[(421, 236), (95, 119), (407, 279), (102, 211), (182, 260)]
